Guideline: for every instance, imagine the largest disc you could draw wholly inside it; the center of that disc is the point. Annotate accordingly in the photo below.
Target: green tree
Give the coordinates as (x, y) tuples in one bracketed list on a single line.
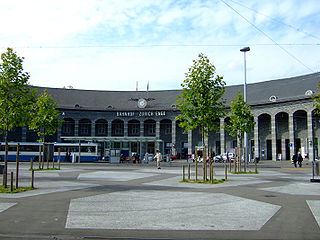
[(241, 120), (45, 117), (316, 100), (201, 98), (16, 97)]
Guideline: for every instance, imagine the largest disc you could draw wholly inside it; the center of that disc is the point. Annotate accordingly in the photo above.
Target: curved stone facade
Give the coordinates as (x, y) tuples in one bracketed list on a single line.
[(140, 122)]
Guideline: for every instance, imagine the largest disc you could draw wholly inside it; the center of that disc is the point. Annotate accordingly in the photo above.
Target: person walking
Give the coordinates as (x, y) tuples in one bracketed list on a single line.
[(299, 159), (294, 160), (158, 157)]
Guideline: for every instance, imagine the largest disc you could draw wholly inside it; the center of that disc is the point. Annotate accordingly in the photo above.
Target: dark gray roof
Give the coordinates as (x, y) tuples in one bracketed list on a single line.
[(287, 89)]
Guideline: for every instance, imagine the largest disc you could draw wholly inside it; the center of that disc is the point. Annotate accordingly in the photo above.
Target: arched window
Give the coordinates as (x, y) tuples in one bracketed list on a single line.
[(149, 128), (67, 128), (117, 128), (133, 128), (165, 127), (84, 127), (101, 127)]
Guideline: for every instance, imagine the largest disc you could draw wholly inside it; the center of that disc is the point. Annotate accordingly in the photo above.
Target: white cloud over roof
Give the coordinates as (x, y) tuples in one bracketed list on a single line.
[(106, 44)]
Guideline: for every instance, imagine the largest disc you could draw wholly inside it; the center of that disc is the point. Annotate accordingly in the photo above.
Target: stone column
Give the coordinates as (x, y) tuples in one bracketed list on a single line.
[(93, 128), (222, 136), (76, 128), (173, 136), (157, 135), (291, 135), (190, 142), (273, 138), (125, 128), (141, 129), (109, 128), (256, 137), (310, 135)]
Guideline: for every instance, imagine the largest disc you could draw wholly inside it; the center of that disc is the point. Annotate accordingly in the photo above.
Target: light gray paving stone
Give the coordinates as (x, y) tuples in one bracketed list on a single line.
[(45, 187), (314, 206), (5, 206), (298, 188), (113, 176), (176, 182), (167, 210)]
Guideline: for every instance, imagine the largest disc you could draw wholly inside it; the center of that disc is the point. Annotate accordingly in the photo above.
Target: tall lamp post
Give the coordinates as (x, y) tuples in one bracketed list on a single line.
[(245, 144)]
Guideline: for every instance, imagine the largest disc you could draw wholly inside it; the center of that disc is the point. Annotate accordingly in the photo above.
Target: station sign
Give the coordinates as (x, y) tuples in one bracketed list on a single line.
[(141, 114)]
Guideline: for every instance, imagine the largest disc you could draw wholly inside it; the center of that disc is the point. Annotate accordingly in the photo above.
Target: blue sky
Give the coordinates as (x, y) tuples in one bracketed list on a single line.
[(113, 44)]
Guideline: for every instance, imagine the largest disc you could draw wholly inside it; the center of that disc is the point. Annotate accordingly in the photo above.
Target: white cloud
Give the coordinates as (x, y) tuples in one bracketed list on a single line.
[(101, 24)]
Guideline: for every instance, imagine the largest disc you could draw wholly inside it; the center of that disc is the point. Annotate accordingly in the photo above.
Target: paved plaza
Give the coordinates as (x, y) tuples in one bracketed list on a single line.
[(105, 201)]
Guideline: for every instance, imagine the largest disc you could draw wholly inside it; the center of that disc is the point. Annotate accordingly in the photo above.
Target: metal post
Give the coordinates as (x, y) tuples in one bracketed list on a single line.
[(11, 182), (79, 151), (183, 173), (59, 152), (17, 166), (245, 144), (32, 178)]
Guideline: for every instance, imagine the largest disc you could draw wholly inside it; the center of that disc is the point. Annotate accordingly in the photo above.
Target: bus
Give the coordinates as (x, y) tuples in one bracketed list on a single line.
[(68, 152)]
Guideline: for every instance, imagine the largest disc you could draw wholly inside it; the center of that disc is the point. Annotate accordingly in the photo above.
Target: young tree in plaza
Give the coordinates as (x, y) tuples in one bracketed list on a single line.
[(316, 100), (45, 117), (201, 100), (16, 98), (241, 121)]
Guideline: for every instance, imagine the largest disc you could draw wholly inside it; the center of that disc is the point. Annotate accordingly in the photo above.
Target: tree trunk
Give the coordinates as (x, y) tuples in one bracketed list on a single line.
[(5, 171), (40, 155), (17, 166), (204, 155)]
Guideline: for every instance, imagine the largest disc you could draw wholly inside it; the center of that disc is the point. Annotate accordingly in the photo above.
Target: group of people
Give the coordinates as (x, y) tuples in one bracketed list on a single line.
[(297, 158)]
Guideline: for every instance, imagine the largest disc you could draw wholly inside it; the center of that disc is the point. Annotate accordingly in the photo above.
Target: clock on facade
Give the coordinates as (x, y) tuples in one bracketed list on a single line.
[(142, 103)]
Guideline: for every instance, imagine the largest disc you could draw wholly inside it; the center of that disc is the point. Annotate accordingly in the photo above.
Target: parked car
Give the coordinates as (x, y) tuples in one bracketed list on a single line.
[(223, 157)]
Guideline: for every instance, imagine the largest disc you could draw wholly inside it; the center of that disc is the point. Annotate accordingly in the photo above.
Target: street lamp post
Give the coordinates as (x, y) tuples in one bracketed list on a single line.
[(245, 144)]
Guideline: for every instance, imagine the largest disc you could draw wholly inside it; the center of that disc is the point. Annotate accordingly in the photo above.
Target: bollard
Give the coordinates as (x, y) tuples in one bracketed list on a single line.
[(196, 169), (183, 172), (212, 173), (11, 183), (32, 178), (255, 166), (59, 158), (189, 171), (225, 171)]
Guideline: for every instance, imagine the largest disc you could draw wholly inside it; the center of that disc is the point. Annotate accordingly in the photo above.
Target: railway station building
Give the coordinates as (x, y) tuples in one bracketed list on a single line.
[(143, 121)]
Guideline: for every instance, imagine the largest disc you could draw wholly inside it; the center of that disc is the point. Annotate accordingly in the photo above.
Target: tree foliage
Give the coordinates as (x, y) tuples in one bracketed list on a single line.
[(241, 118), (45, 116), (16, 98), (16, 95), (316, 100), (201, 99)]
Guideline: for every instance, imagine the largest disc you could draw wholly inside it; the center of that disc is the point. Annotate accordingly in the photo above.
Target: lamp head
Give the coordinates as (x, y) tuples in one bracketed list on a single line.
[(245, 49)]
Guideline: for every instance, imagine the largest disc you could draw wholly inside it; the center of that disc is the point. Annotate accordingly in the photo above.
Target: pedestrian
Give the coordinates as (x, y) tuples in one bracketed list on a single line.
[(294, 160), (299, 159), (158, 157)]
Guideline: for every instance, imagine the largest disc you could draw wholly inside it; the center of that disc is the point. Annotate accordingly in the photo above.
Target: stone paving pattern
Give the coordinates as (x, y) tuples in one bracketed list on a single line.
[(117, 200)]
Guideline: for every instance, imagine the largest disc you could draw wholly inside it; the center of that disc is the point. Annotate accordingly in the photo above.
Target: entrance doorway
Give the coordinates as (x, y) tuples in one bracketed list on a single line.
[(150, 147), (269, 149)]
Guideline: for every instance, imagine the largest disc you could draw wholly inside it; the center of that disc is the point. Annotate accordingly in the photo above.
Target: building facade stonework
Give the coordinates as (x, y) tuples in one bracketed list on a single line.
[(140, 122)]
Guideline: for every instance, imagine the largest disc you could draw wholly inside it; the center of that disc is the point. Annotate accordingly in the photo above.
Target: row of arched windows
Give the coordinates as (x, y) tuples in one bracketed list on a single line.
[(117, 127)]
